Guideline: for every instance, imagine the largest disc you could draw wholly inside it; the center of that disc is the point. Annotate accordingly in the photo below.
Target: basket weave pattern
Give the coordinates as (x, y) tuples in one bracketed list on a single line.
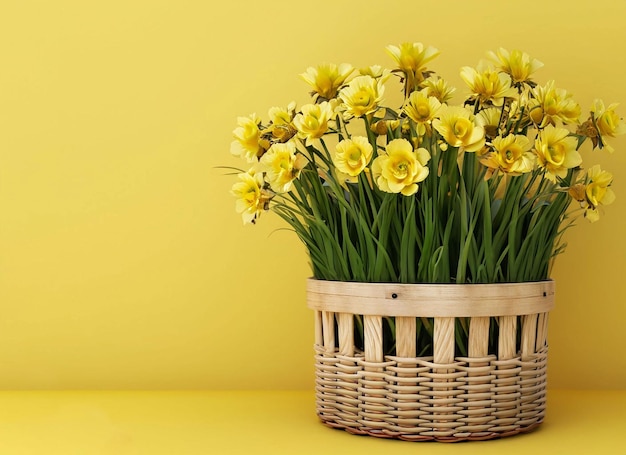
[(440, 397)]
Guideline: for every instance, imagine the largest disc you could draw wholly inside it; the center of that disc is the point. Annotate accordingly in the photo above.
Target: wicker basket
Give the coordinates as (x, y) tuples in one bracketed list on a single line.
[(443, 397)]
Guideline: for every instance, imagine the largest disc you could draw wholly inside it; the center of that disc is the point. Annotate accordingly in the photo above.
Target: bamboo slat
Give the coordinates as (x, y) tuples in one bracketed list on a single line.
[(431, 300), (345, 323), (405, 337), (373, 336), (529, 334), (478, 336), (443, 340), (507, 338), (328, 329)]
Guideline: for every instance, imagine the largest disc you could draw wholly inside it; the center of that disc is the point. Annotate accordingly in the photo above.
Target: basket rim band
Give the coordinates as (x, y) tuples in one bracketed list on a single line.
[(431, 300)]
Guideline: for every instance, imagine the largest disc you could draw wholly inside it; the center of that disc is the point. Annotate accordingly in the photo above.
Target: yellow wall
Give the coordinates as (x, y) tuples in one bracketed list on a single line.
[(122, 261)]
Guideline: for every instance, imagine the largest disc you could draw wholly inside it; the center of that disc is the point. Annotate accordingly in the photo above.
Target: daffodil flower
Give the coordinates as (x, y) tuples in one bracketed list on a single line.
[(399, 168), (312, 122), (511, 155), (327, 78), (362, 96), (352, 156), (252, 199), (247, 135), (517, 64), (282, 164), (556, 151), (607, 122), (459, 128)]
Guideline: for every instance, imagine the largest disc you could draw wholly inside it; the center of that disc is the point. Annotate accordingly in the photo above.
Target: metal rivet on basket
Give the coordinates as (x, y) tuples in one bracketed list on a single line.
[(394, 296)]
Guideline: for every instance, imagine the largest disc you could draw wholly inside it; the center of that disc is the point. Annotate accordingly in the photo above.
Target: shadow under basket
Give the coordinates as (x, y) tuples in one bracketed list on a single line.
[(374, 378)]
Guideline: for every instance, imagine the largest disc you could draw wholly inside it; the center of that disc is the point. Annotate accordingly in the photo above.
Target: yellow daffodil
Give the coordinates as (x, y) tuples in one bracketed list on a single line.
[(247, 135), (362, 96), (488, 85), (489, 119), (281, 115), (352, 156), (516, 64), (252, 199), (312, 122), (597, 189), (282, 165), (459, 128), (327, 78), (412, 59), (594, 193), (550, 104), (511, 154), (281, 126), (607, 122), (420, 107), (399, 168), (556, 151), (375, 71), (438, 88)]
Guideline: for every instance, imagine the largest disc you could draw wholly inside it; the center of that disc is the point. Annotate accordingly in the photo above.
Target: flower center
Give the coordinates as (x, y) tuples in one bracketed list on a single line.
[(423, 110), (354, 154), (362, 98), (556, 154), (402, 169), (462, 127)]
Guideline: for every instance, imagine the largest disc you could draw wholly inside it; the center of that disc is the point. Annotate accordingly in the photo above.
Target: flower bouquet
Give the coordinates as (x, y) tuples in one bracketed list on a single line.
[(401, 207)]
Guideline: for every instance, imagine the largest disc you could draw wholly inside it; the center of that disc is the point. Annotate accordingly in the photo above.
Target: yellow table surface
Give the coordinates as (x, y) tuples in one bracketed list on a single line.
[(272, 422)]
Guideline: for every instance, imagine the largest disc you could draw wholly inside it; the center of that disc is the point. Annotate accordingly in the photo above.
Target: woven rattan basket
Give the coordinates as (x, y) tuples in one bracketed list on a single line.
[(443, 396)]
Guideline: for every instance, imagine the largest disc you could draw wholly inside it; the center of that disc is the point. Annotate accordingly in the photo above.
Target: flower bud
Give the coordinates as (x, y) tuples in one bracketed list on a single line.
[(380, 127)]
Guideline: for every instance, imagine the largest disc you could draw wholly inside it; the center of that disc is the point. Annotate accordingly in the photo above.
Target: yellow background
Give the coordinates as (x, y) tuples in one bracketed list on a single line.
[(122, 262)]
